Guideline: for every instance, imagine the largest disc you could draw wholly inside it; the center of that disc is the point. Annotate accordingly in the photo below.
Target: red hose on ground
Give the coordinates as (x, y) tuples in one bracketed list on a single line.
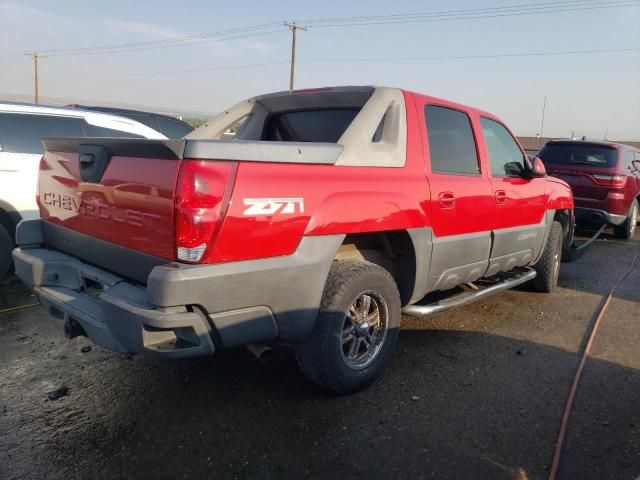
[(576, 379)]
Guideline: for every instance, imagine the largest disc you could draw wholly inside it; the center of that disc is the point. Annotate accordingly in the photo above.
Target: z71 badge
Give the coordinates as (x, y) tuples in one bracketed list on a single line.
[(271, 206)]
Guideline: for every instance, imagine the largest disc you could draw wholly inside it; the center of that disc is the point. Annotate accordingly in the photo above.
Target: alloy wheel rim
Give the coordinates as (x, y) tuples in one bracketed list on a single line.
[(364, 330)]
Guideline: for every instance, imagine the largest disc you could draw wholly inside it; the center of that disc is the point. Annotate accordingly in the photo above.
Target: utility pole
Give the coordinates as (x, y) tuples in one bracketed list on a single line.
[(293, 27), (544, 106), (35, 57)]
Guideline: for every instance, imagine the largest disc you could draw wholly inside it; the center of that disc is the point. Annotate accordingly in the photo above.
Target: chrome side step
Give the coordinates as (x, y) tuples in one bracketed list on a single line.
[(509, 280)]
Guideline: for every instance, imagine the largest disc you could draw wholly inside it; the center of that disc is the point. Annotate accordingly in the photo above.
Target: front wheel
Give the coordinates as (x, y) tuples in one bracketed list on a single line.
[(628, 228), (548, 267), (356, 330)]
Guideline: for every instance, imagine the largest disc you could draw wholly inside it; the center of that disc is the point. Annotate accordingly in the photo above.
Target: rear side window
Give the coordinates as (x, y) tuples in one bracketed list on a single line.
[(452, 146), (143, 119), (504, 153), (95, 131), (575, 154), (309, 126), (172, 128), (22, 133)]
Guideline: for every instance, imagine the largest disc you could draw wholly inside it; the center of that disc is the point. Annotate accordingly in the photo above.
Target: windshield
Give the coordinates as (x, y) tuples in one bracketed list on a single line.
[(578, 154)]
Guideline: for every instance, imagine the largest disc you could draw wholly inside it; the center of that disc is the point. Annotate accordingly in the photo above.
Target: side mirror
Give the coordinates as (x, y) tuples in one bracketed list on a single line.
[(537, 169), (514, 169)]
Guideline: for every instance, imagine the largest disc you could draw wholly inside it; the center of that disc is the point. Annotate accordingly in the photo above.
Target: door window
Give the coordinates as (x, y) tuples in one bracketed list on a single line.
[(507, 160), (452, 146)]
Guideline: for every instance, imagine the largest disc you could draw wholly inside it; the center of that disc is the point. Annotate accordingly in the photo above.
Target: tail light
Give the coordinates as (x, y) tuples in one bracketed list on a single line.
[(610, 180), (204, 188)]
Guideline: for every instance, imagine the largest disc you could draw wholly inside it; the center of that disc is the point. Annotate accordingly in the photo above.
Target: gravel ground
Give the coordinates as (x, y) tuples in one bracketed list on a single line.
[(475, 393)]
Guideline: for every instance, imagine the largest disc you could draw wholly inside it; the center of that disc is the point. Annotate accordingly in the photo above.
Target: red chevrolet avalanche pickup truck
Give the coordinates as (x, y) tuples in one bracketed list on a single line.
[(328, 214)]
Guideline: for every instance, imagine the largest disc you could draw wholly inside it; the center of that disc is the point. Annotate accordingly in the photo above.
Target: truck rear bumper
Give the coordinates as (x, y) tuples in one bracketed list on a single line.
[(597, 216), (111, 312), (183, 310)]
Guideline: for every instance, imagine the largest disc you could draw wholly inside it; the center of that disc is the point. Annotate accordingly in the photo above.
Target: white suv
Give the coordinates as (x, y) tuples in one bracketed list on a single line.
[(22, 127)]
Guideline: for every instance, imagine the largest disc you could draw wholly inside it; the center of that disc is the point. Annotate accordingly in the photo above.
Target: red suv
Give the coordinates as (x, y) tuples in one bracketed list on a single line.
[(604, 177)]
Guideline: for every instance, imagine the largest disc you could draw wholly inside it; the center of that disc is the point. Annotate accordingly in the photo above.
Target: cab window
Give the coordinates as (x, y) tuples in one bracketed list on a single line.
[(452, 146), (507, 160)]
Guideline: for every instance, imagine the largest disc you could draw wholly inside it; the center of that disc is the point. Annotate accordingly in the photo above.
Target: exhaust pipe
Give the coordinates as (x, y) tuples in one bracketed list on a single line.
[(261, 352)]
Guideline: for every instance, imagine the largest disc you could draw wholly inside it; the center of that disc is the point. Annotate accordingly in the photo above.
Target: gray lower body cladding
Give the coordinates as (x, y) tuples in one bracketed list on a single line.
[(184, 310)]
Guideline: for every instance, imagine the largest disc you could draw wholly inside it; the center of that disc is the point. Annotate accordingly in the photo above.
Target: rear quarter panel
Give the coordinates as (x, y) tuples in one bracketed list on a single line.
[(334, 200)]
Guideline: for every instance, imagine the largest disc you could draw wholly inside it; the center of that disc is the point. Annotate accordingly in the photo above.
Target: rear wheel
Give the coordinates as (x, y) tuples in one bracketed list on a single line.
[(356, 330), (548, 267), (6, 245), (628, 228)]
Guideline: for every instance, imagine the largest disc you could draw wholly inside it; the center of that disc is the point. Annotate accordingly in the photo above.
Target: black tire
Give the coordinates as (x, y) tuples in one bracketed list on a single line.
[(322, 357), (6, 245), (628, 228), (548, 267)]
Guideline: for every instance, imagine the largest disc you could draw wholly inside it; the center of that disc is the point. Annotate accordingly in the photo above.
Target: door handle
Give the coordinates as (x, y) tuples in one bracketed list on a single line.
[(87, 159), (447, 200), (500, 196)]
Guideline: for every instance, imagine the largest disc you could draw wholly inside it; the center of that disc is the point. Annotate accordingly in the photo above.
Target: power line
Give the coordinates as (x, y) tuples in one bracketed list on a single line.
[(333, 22), (357, 60), (155, 47), (165, 43), (173, 72), (527, 6), (469, 57), (459, 17), (9, 57), (11, 64)]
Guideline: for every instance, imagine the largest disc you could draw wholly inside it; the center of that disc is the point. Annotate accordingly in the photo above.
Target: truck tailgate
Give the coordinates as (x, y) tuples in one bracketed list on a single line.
[(129, 203)]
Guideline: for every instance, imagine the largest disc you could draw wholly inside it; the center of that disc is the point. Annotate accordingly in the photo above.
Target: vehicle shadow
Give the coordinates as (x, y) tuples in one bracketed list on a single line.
[(616, 256), (454, 404), (13, 292)]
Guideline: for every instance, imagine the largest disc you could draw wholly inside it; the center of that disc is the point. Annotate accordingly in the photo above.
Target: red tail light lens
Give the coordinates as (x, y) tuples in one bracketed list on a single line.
[(203, 194), (610, 180)]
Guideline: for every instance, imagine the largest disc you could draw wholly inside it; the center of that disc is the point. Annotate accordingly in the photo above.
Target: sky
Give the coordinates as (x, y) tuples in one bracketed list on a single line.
[(587, 94)]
